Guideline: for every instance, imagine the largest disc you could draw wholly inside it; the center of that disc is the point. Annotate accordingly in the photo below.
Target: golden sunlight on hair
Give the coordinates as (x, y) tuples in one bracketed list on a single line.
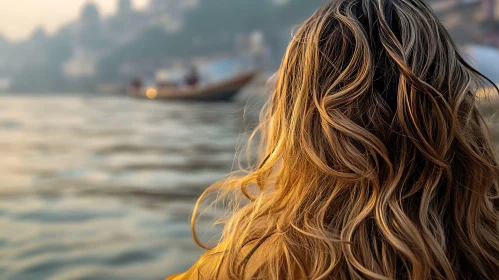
[(375, 162)]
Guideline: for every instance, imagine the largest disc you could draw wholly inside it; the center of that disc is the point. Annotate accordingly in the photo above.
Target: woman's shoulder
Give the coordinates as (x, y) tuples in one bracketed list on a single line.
[(211, 261), (207, 262)]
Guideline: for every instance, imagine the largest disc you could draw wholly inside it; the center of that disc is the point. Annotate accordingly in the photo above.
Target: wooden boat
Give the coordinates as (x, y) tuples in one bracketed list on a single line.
[(220, 91)]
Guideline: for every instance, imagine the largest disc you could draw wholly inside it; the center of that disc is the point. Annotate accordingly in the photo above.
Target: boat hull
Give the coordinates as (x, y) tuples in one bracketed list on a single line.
[(222, 91), (227, 95)]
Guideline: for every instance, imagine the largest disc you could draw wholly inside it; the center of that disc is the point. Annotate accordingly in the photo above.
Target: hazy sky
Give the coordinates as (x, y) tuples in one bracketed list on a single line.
[(18, 18)]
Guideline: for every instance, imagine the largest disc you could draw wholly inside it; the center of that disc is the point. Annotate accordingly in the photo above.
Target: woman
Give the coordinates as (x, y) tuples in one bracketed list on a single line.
[(376, 163)]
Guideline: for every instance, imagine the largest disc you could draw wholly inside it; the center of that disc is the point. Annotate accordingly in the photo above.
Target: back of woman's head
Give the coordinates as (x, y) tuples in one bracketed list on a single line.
[(375, 162)]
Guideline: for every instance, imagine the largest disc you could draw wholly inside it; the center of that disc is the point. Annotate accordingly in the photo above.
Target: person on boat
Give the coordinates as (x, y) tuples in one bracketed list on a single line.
[(136, 83), (375, 161), (192, 78)]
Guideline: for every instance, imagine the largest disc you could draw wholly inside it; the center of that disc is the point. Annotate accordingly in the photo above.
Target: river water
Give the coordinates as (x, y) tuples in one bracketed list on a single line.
[(103, 187)]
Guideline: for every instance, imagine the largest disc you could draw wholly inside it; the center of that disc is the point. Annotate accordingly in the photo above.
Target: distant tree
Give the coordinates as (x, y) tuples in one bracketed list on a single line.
[(295, 11), (124, 7), (91, 32), (157, 4), (215, 16), (39, 35), (4, 44), (42, 71), (90, 13)]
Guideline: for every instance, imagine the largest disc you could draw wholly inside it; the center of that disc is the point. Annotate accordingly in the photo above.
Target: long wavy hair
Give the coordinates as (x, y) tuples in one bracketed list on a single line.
[(375, 162)]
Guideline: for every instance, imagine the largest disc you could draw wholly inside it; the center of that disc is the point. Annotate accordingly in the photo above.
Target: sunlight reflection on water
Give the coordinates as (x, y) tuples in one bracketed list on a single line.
[(102, 188)]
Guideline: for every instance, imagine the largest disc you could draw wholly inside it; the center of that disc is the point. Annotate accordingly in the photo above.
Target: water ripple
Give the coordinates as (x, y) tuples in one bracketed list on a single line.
[(102, 188)]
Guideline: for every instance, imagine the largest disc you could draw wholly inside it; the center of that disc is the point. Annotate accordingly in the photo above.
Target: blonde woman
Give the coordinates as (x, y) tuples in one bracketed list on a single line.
[(375, 162)]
